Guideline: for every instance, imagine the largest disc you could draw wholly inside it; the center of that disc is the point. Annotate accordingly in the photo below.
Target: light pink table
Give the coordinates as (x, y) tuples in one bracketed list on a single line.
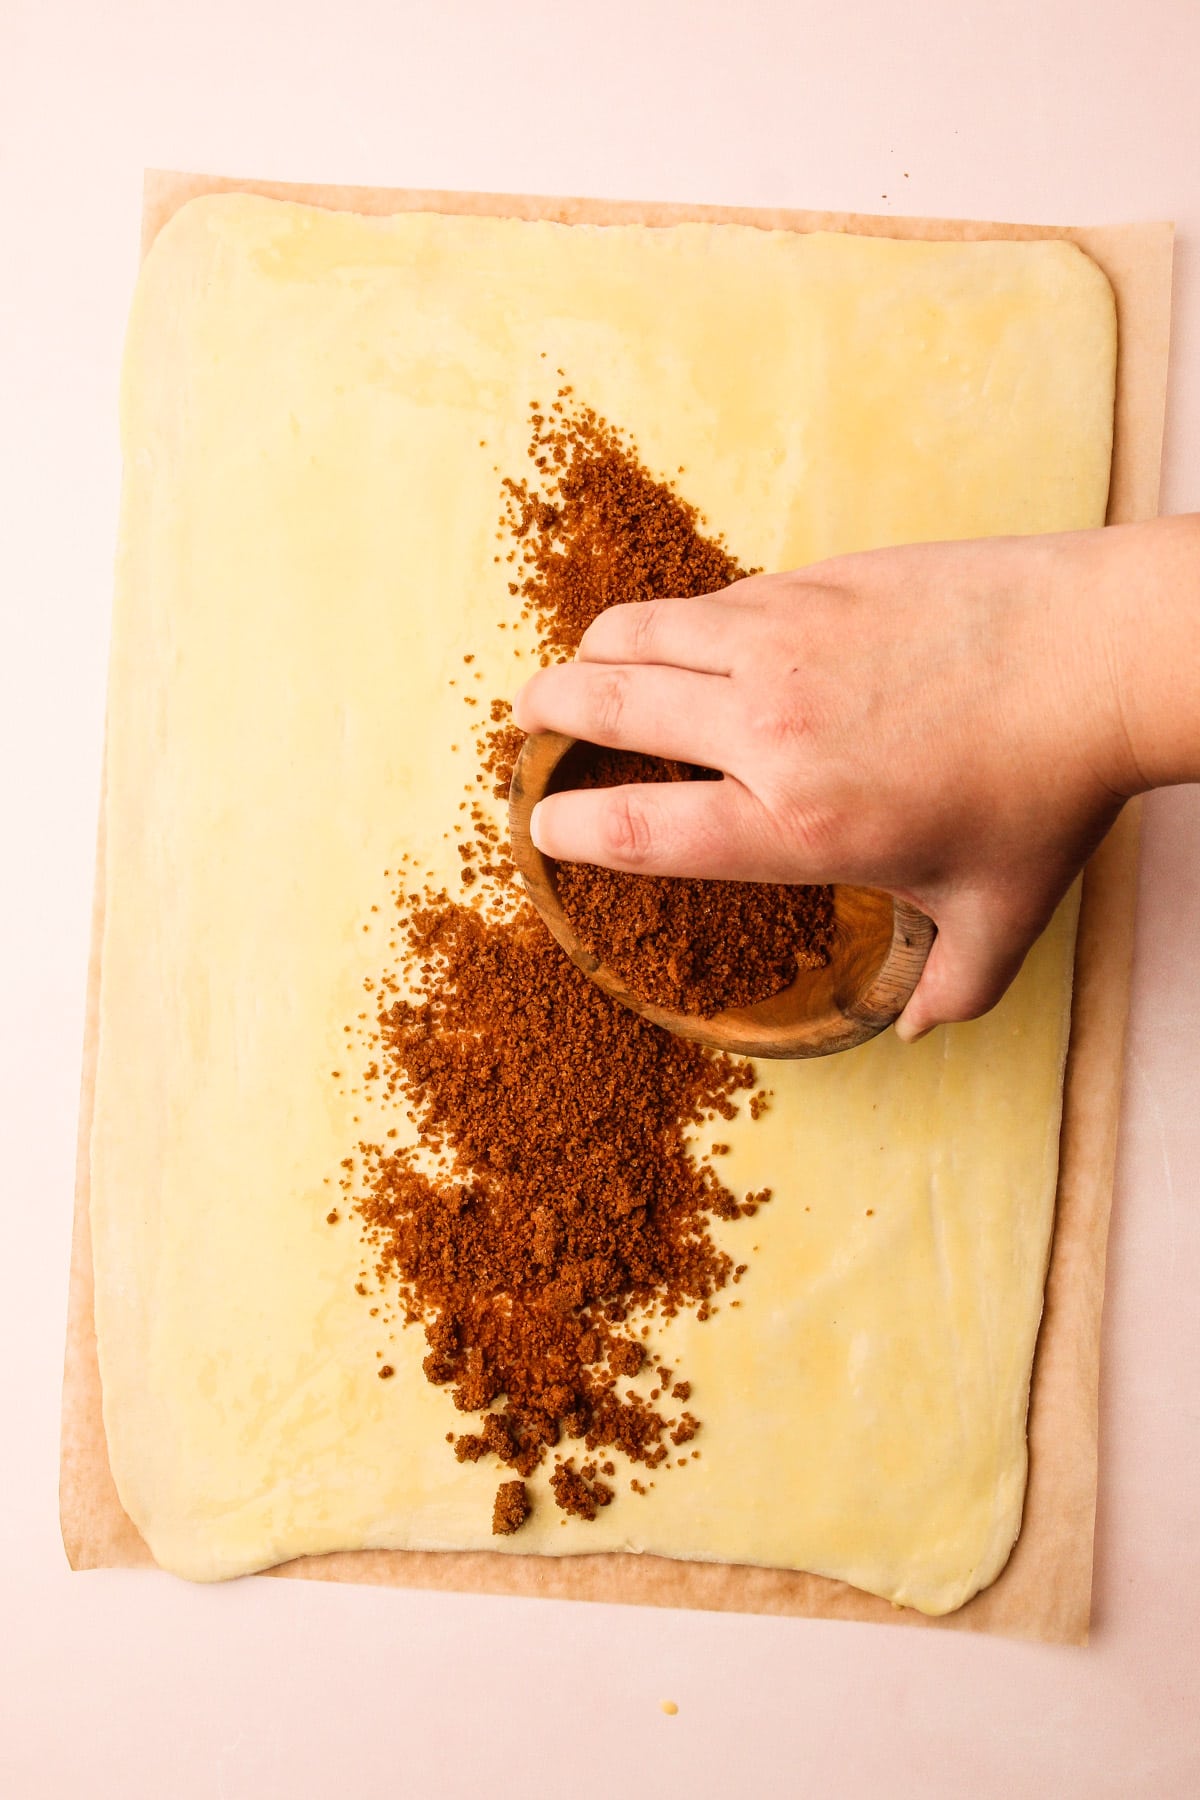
[(131, 1685)]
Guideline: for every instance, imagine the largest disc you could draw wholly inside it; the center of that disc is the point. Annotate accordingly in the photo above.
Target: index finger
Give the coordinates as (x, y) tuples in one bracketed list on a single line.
[(701, 634)]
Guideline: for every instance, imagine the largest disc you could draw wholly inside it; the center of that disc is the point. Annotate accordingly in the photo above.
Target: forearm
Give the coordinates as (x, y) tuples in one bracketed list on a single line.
[(1148, 580)]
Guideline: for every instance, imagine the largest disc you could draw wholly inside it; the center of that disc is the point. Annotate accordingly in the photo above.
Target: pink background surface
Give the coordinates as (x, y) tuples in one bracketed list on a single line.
[(133, 1684)]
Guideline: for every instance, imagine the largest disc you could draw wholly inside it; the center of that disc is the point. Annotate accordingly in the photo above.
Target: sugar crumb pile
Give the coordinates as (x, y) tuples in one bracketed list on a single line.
[(553, 1210)]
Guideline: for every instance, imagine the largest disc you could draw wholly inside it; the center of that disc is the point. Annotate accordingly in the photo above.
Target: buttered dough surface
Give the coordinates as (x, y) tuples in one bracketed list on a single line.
[(315, 410)]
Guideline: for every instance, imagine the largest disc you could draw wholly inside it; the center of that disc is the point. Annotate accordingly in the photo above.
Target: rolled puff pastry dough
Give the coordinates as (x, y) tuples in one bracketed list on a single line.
[(317, 408)]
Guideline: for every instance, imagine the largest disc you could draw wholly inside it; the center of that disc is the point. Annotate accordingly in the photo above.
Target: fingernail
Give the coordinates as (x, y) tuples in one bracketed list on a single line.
[(535, 827), (907, 1035)]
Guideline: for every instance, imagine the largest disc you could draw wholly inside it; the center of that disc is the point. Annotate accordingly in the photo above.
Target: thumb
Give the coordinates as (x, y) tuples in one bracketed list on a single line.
[(973, 961)]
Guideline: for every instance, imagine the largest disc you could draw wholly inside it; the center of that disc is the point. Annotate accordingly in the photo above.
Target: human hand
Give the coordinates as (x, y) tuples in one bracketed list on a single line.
[(946, 721)]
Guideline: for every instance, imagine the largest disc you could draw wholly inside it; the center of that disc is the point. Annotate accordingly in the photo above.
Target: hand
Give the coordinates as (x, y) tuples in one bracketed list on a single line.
[(955, 723)]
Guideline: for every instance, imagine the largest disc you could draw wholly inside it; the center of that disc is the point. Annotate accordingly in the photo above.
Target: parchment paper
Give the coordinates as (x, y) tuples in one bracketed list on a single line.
[(1045, 1590)]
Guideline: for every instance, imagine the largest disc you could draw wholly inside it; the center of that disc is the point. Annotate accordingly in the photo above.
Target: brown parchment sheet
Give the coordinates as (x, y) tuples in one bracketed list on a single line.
[(1044, 1592)]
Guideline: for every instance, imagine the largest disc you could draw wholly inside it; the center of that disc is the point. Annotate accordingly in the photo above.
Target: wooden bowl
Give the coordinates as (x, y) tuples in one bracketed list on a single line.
[(878, 951)]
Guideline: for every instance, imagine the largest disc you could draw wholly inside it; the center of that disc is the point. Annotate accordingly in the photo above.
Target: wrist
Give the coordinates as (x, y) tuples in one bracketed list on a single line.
[(1147, 595)]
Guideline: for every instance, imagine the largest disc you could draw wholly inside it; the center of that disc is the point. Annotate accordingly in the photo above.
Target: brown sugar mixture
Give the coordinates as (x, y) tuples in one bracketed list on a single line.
[(693, 946), (601, 530), (608, 532), (554, 1206), (511, 1508)]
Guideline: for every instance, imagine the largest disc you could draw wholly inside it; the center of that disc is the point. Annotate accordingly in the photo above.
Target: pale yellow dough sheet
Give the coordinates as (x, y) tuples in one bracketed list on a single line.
[(315, 409)]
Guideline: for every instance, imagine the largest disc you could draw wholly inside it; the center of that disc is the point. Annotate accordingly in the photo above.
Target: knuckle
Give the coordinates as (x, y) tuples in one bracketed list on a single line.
[(644, 620), (627, 830), (797, 830), (781, 724), (610, 694)]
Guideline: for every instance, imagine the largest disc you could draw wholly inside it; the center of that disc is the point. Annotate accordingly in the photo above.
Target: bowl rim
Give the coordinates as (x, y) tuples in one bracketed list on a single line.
[(844, 1025)]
